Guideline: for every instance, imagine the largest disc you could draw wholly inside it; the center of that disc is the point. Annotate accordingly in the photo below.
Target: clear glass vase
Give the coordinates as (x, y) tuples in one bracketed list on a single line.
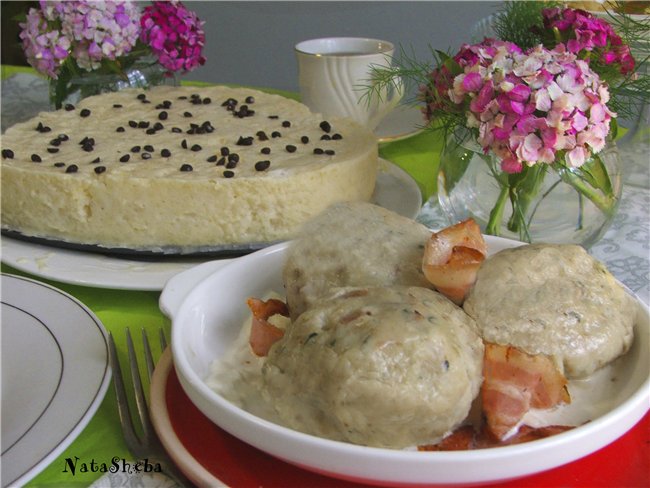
[(143, 73), (550, 205)]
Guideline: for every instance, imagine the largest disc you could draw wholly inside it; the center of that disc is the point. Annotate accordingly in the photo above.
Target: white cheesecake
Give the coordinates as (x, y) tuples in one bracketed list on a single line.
[(180, 168)]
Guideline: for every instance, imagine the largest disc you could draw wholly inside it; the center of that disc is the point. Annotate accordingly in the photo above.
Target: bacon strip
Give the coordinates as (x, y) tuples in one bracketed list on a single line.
[(263, 333), (513, 383), (452, 258), (465, 438)]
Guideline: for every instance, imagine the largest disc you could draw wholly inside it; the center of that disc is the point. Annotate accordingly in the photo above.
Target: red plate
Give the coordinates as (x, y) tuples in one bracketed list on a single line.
[(208, 455)]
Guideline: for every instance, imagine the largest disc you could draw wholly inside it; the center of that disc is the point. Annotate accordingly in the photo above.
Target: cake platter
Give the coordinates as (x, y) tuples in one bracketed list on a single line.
[(149, 270)]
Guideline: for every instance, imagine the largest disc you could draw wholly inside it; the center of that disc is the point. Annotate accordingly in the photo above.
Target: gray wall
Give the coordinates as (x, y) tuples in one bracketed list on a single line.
[(251, 43)]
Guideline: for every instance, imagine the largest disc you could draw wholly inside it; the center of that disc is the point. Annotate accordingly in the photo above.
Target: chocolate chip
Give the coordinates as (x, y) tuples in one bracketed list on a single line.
[(228, 174), (245, 141), (231, 164), (275, 134), (330, 152), (207, 101), (42, 128), (266, 150), (318, 150), (133, 124), (146, 155), (325, 137), (59, 165), (117, 105), (286, 123), (224, 151), (53, 150), (7, 154), (84, 113), (55, 142), (150, 131), (73, 168), (262, 165), (290, 148), (250, 99), (233, 158), (165, 153), (261, 135), (187, 114), (221, 161), (186, 168), (177, 130), (274, 116), (95, 161), (68, 107), (184, 143), (63, 137), (120, 129), (36, 158), (148, 148), (100, 169), (135, 149), (337, 137), (143, 124), (304, 139), (125, 158), (158, 126), (325, 125), (163, 115), (212, 159), (195, 148), (141, 96)]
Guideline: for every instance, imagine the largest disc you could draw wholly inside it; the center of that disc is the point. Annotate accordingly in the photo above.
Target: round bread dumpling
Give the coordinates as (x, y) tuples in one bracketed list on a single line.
[(353, 244), (555, 300), (387, 367)]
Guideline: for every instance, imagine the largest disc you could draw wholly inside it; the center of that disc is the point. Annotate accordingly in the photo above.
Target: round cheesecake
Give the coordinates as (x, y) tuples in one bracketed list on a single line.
[(180, 169)]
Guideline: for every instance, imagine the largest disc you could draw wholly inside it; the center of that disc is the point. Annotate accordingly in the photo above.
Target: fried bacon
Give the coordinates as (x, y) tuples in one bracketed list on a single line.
[(263, 333), (452, 258), (513, 383), (466, 438)]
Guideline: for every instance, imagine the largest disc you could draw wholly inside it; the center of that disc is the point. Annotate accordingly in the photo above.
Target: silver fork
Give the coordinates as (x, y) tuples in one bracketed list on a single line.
[(147, 445)]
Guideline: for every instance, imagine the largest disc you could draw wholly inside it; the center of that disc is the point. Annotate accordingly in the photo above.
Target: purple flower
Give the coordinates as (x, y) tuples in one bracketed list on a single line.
[(175, 35), (45, 49), (584, 32)]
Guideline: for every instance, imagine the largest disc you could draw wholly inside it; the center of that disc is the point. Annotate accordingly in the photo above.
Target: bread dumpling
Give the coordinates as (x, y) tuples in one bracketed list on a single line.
[(383, 366), (553, 299), (353, 244)]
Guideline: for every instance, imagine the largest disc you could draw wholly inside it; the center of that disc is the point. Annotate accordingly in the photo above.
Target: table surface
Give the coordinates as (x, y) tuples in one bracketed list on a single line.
[(625, 249)]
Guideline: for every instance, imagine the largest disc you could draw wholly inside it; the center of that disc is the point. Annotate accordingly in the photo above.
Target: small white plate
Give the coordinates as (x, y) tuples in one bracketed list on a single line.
[(395, 190), (55, 374), (208, 317), (404, 121)]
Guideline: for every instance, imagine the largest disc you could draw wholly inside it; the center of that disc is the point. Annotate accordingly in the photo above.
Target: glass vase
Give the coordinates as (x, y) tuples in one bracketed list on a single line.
[(550, 204), (143, 73)]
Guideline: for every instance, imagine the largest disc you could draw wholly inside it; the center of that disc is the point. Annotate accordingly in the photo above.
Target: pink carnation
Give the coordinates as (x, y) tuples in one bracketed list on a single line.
[(45, 49), (533, 107), (175, 35)]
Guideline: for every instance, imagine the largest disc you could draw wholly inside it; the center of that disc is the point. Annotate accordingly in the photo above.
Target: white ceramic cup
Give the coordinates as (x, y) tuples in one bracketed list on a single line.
[(335, 73)]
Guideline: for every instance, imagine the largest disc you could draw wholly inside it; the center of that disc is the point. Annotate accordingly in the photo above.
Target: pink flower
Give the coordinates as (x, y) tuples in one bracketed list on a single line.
[(44, 49), (175, 35), (511, 165)]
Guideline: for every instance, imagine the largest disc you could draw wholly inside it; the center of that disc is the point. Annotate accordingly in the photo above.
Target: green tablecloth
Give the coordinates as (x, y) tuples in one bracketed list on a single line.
[(102, 439)]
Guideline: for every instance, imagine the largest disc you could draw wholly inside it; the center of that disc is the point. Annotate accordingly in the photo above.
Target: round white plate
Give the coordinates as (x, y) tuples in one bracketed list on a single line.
[(55, 374), (395, 190), (404, 121), (207, 319)]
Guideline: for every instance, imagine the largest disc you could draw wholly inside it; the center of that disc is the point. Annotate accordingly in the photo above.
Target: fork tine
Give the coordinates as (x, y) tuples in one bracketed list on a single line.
[(148, 357), (163, 340), (140, 399), (120, 391)]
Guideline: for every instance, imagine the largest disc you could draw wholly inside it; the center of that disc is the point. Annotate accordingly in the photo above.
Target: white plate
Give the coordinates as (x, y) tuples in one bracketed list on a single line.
[(395, 190), (54, 374), (209, 317), (404, 121)]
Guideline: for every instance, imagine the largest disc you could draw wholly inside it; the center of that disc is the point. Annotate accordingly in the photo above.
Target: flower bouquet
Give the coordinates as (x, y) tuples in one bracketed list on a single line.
[(86, 47), (540, 100)]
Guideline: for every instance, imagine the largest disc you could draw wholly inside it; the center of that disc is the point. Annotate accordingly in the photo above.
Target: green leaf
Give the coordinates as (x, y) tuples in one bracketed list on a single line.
[(454, 160)]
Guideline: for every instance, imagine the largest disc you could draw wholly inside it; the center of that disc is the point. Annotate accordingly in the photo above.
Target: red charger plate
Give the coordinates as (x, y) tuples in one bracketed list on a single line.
[(210, 456)]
